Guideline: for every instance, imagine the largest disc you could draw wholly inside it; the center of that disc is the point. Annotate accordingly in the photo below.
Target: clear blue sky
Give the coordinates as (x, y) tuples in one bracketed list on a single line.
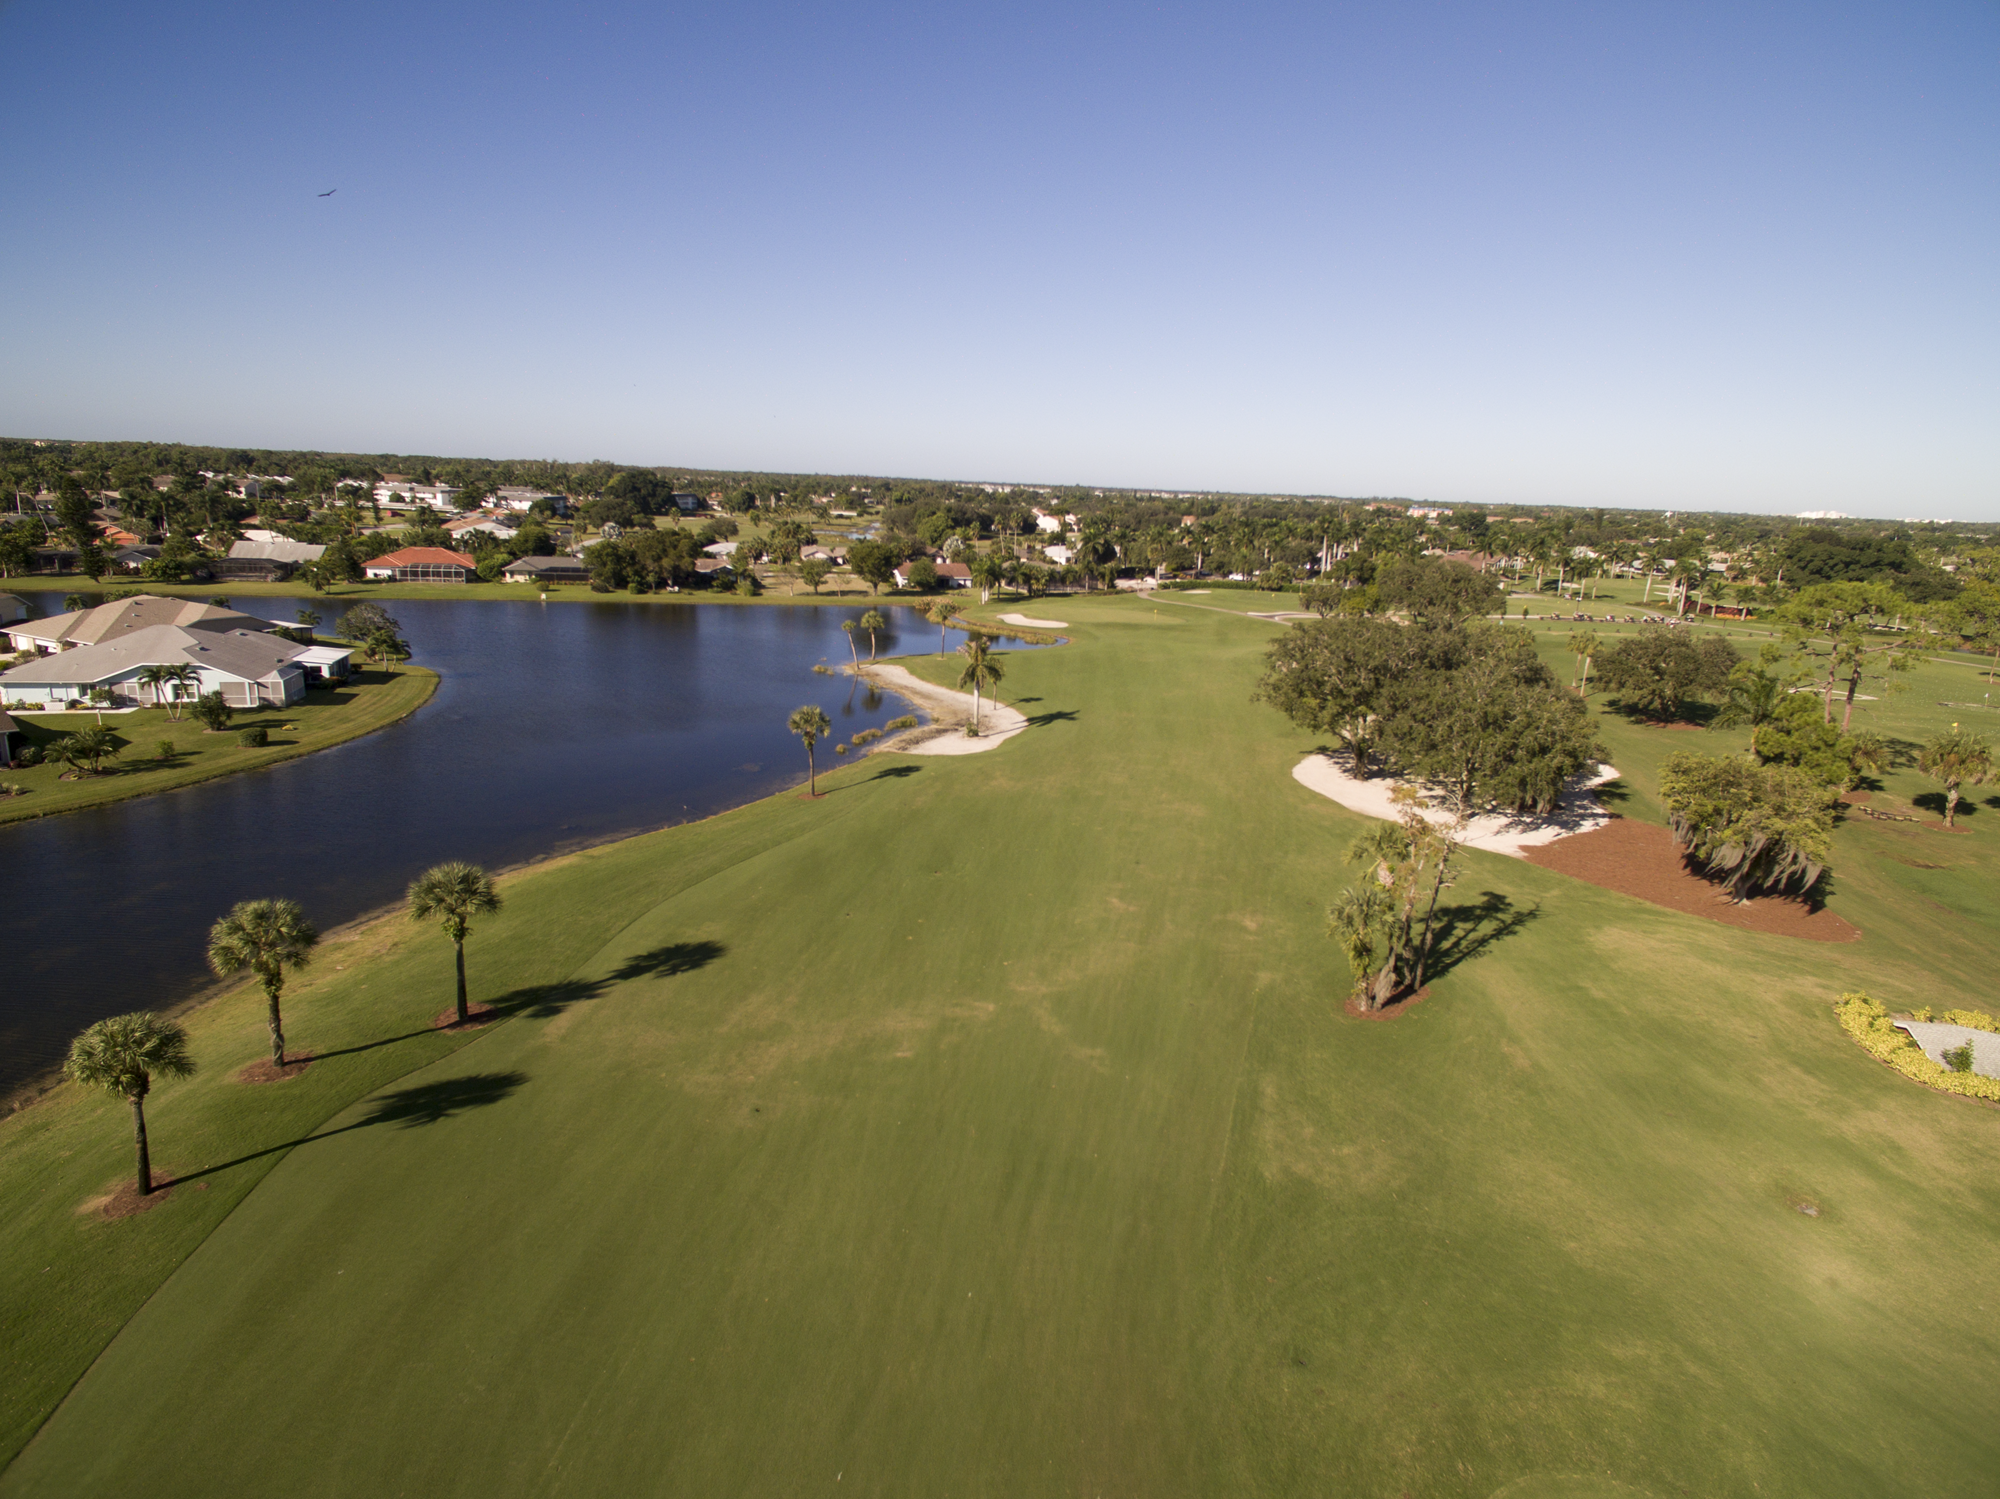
[(1696, 255)]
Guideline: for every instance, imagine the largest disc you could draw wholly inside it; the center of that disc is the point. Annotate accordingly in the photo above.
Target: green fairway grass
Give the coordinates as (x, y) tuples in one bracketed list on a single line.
[(374, 698), (990, 1125)]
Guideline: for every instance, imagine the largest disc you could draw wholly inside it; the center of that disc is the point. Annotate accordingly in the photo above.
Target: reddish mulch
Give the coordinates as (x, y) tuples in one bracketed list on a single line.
[(268, 1071), (480, 1015), (1390, 1011), (1642, 859), (1857, 798), (125, 1202)]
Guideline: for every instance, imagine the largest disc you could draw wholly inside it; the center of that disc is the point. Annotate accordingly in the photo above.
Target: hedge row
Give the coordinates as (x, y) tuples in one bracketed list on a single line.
[(1869, 1024)]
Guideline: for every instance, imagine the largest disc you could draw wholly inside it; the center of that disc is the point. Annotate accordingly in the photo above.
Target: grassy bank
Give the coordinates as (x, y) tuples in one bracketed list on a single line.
[(373, 698), (990, 1125)]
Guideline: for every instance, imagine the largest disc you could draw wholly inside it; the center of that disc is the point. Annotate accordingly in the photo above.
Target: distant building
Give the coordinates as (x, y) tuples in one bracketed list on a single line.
[(546, 570), (271, 561), (687, 504), (422, 565)]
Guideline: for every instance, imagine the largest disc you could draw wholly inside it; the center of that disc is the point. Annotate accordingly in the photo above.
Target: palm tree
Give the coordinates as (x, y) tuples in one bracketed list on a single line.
[(873, 622), (182, 678), (980, 672), (942, 613), (455, 893), (848, 626), (155, 677), (811, 724), (266, 937), (123, 1055), (1955, 758), (1583, 645)]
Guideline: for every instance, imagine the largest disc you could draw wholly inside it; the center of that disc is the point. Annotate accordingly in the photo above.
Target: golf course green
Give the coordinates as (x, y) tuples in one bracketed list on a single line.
[(991, 1125)]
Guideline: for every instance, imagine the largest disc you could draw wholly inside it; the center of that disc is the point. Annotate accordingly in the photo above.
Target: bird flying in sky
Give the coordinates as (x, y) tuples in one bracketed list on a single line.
[(329, 192)]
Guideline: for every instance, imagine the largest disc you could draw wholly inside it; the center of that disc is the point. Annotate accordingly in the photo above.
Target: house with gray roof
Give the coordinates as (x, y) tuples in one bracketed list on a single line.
[(546, 570), (274, 560), (248, 667), (142, 611)]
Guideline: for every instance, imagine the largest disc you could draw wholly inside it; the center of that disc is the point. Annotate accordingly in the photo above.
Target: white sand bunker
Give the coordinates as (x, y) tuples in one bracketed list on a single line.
[(1577, 811), (1034, 624), (950, 712)]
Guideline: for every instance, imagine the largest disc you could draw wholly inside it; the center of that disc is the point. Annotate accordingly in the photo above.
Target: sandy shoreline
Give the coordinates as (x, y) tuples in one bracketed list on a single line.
[(950, 711)]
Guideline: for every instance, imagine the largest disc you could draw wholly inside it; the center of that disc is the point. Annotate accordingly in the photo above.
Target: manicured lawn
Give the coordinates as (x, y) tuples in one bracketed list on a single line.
[(374, 698), (990, 1126)]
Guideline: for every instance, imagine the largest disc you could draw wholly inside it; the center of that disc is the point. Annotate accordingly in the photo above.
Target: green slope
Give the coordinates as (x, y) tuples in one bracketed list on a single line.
[(990, 1127)]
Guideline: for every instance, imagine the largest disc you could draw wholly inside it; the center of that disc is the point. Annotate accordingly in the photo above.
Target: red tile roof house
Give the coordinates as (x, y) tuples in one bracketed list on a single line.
[(951, 574), (423, 565)]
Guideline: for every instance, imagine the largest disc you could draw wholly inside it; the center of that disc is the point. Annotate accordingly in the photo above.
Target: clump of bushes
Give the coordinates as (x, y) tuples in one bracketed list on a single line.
[(907, 721), (165, 749), (255, 738), (867, 736), (823, 669), (1869, 1024)]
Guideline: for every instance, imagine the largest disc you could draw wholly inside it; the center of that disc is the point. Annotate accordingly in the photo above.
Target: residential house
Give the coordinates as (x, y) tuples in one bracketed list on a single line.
[(409, 495), (272, 561), (423, 565), (688, 504), (13, 607), (716, 569), (8, 729), (491, 522), (513, 497), (64, 632), (248, 667), (823, 554), (951, 574), (133, 559), (546, 570)]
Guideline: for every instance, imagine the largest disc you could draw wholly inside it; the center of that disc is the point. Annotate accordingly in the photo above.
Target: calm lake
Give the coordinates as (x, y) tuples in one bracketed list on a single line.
[(555, 725)]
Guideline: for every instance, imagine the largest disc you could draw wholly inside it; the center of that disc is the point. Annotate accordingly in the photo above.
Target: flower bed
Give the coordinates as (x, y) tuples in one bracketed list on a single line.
[(1869, 1024)]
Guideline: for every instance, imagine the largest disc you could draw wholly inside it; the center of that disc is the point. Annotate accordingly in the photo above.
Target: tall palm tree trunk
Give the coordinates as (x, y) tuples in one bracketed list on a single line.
[(975, 710), (139, 1139), (271, 992), (812, 772), (458, 951)]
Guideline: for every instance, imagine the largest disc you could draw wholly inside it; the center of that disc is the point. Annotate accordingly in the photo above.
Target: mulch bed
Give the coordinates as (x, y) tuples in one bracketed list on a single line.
[(1642, 859), (480, 1015), (268, 1071), (1402, 1006), (125, 1201)]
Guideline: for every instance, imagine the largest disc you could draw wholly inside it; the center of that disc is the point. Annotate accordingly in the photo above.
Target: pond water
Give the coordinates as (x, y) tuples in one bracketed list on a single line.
[(555, 725)]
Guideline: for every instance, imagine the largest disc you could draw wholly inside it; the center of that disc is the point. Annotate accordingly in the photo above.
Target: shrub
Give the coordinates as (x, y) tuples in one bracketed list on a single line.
[(823, 669), (1757, 828), (907, 721), (12, 788), (212, 711), (165, 748), (1869, 1024), (255, 738), (1958, 1058)]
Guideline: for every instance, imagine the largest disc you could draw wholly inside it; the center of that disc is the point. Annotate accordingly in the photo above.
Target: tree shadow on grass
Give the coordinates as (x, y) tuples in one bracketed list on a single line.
[(1933, 801), (670, 961), (407, 1108), (1466, 931), (545, 1001), (1056, 715)]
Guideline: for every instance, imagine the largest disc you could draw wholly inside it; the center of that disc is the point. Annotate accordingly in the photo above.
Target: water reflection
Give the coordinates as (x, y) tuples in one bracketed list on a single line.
[(556, 725)]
